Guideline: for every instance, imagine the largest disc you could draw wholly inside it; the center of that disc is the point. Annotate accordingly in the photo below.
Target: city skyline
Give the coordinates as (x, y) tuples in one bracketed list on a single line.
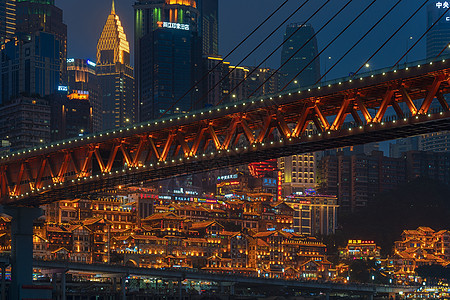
[(120, 164), (231, 33)]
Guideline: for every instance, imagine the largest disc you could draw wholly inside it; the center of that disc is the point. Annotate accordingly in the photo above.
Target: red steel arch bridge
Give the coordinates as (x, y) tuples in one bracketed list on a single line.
[(376, 106)]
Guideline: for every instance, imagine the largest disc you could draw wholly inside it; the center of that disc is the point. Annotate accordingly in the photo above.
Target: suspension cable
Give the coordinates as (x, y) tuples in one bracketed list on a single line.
[(231, 71), (329, 44), (226, 56), (285, 40), (359, 41), (387, 41), (421, 37)]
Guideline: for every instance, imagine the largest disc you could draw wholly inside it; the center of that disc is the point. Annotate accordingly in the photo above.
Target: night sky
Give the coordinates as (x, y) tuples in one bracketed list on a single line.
[(85, 20)]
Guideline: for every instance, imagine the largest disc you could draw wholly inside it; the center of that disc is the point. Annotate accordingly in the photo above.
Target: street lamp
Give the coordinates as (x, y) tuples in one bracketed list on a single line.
[(407, 45)]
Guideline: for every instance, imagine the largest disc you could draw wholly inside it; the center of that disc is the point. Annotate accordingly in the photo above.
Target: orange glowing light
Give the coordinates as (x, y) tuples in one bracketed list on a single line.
[(183, 2)]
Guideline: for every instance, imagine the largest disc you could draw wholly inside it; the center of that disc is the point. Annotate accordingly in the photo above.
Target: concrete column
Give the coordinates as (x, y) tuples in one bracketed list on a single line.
[(114, 285), (232, 288), (122, 288), (180, 288), (63, 285), (3, 282), (370, 297), (21, 247), (327, 296)]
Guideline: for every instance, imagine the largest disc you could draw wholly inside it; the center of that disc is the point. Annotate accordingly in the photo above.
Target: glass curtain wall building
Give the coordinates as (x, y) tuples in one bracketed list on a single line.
[(299, 61), (439, 36), (168, 53), (43, 16)]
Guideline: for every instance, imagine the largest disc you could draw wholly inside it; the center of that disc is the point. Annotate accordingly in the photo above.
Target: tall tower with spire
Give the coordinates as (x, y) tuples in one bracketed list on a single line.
[(115, 74)]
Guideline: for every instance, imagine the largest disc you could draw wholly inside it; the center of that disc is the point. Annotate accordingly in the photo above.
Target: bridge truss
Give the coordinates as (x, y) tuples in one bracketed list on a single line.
[(344, 113)]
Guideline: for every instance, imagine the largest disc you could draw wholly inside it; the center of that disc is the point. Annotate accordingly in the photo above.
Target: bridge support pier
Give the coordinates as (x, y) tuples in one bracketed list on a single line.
[(180, 288), (232, 291), (21, 248)]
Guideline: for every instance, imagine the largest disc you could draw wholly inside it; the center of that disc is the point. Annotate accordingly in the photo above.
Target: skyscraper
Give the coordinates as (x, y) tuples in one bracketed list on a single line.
[(115, 75), (167, 56), (7, 20), (43, 16), (209, 26), (83, 77), (439, 36), (30, 66), (304, 40)]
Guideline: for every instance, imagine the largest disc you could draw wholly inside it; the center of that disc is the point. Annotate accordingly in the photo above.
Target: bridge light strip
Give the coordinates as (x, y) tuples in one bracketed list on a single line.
[(95, 136)]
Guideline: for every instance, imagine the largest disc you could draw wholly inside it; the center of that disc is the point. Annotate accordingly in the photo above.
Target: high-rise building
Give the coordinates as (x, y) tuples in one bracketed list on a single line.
[(43, 16), (82, 76), (115, 75), (314, 214), (217, 69), (167, 56), (209, 26), (30, 66), (435, 142), (299, 38), (259, 83), (298, 173), (71, 115), (25, 122), (438, 37), (430, 165), (357, 179), (7, 20)]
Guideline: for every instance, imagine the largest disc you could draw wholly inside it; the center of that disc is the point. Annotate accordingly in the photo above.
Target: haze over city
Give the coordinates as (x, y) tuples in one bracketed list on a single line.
[(140, 159)]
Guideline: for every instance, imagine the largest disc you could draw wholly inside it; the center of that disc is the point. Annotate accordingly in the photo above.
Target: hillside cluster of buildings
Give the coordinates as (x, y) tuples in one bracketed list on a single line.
[(258, 238)]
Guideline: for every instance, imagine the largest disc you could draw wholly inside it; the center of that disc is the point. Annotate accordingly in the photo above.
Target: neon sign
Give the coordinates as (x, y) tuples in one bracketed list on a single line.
[(92, 64), (173, 25), (228, 177), (443, 4), (63, 88)]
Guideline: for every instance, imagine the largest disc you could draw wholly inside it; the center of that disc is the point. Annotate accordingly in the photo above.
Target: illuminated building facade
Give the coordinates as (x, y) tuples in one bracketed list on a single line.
[(300, 60), (30, 66), (423, 246), (438, 37), (360, 249), (314, 214), (25, 122), (298, 173), (82, 76), (168, 53), (7, 20), (43, 16), (115, 75)]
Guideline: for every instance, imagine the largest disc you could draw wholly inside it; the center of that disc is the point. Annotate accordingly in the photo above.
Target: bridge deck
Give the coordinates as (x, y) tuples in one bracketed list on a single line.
[(236, 133)]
